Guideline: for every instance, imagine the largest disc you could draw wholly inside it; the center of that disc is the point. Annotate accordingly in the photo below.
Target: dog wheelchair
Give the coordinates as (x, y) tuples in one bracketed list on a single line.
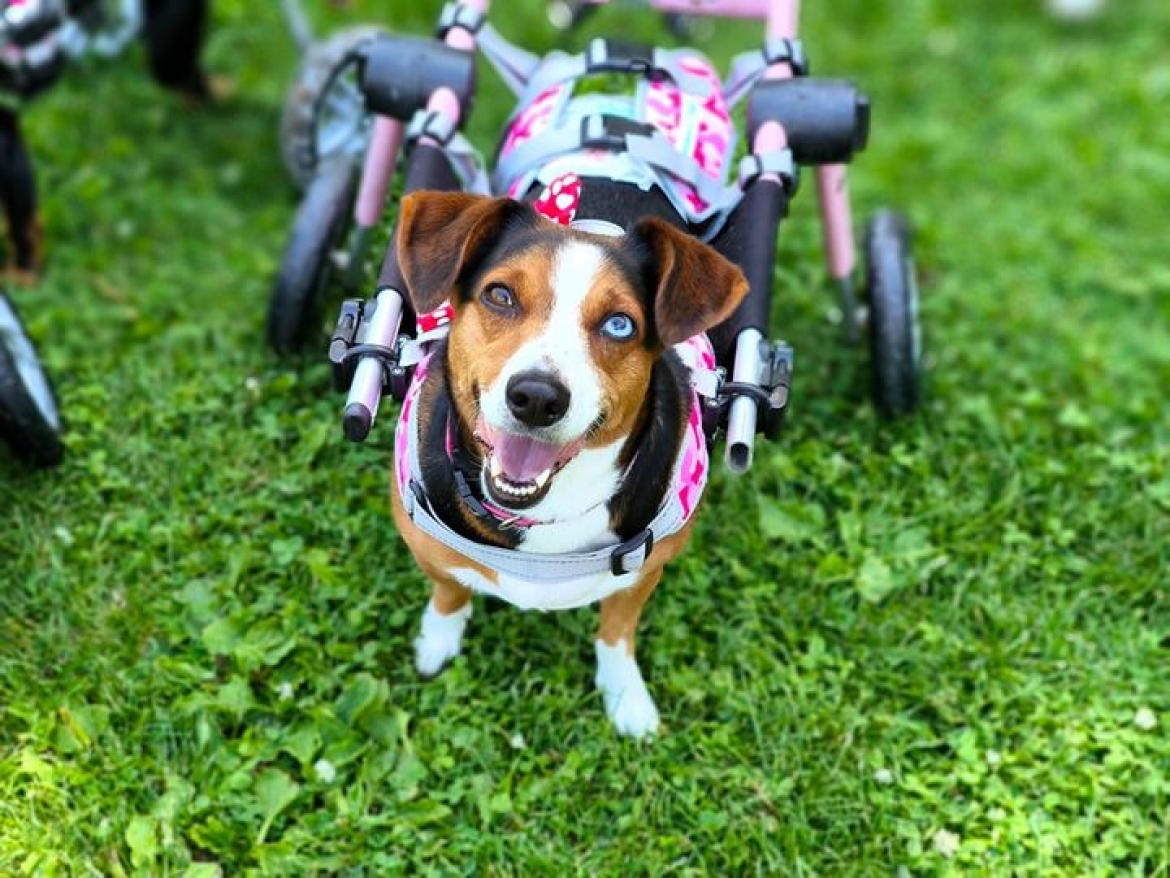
[(415, 93), (29, 419), (38, 39)]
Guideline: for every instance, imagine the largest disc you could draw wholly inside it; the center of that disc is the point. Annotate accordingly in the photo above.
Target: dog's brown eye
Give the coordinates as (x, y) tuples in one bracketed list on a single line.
[(499, 298)]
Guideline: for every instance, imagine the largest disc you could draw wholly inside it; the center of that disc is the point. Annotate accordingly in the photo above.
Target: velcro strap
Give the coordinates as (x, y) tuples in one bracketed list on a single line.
[(775, 161), (790, 52), (427, 123), (459, 15)]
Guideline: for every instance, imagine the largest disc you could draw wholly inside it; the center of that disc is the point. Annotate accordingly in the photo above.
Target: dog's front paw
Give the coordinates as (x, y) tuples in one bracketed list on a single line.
[(627, 700), (440, 639)]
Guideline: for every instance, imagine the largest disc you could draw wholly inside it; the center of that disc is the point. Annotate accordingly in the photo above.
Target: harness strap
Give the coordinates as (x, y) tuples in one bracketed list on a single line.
[(748, 67), (605, 56), (625, 558), (640, 141)]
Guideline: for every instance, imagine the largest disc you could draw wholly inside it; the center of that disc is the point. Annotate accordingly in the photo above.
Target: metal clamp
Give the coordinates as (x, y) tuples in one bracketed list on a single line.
[(365, 353), (757, 396), (455, 15)]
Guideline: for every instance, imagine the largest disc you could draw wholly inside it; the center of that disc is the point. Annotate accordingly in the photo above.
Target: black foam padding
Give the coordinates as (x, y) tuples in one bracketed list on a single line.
[(749, 240), (400, 73), (826, 120)]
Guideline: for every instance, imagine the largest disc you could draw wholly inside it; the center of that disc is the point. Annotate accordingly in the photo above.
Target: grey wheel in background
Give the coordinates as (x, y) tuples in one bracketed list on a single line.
[(325, 113), (319, 227), (894, 333), (29, 419)]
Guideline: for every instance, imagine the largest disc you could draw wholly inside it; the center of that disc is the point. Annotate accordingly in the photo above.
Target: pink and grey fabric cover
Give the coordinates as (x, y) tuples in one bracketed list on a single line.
[(688, 159)]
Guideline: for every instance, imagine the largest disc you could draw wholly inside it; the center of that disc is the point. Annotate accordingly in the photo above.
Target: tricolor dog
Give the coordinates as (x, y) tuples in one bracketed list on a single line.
[(550, 451)]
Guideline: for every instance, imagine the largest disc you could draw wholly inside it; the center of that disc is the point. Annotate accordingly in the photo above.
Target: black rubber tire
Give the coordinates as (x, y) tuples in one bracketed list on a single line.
[(894, 333), (320, 225), (322, 64), (32, 430)]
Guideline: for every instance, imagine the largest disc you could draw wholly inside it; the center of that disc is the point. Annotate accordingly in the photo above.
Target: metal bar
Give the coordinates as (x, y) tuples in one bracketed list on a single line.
[(741, 420), (298, 23), (378, 170), (365, 393)]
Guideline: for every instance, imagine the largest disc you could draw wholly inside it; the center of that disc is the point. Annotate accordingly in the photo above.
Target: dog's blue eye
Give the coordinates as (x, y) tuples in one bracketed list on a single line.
[(499, 298), (619, 326)]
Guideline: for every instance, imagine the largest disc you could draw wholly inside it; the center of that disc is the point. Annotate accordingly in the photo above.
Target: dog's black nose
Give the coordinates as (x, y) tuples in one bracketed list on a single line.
[(537, 399)]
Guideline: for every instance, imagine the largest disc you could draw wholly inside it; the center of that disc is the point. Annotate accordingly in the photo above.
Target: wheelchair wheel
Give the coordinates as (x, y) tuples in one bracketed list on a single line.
[(894, 334), (319, 229), (325, 111), (29, 419), (111, 25)]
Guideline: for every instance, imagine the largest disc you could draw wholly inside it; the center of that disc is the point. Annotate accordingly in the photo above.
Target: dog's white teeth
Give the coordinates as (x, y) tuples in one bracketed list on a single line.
[(513, 489), (504, 485)]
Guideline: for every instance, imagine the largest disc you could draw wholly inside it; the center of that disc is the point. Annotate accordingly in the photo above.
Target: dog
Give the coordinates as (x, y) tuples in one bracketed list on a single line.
[(557, 417)]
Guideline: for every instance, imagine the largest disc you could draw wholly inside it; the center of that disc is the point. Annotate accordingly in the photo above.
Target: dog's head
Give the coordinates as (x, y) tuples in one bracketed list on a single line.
[(555, 330)]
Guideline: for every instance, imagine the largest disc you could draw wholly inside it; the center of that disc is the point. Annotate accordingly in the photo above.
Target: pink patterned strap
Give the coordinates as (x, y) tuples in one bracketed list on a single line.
[(694, 466), (560, 199), (432, 321)]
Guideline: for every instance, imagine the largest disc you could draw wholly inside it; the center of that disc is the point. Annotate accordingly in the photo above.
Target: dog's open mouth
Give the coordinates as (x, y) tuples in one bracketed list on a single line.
[(518, 470)]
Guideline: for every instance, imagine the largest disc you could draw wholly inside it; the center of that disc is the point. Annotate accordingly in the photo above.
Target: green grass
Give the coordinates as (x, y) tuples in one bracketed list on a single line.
[(886, 640)]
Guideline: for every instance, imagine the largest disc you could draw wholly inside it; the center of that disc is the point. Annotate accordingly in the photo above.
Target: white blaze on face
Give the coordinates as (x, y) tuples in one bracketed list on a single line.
[(561, 348)]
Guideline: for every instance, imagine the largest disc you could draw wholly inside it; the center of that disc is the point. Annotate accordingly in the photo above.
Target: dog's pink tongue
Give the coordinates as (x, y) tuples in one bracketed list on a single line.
[(523, 458)]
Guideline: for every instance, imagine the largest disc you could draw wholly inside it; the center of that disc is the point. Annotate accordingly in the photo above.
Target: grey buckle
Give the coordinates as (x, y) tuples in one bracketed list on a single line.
[(603, 57), (428, 123), (610, 132), (790, 52), (456, 15), (775, 161), (630, 556)]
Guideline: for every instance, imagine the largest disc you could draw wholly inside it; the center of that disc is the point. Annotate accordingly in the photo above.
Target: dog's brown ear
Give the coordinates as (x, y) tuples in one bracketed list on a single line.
[(440, 235), (694, 287)]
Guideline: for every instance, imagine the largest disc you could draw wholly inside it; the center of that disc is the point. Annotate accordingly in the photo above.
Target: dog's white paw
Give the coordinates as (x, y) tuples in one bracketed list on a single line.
[(1075, 9), (627, 700), (440, 639)]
